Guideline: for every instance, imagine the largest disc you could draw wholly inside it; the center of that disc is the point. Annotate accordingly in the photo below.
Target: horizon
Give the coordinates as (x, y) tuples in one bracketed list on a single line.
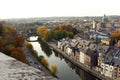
[(57, 8), (55, 17)]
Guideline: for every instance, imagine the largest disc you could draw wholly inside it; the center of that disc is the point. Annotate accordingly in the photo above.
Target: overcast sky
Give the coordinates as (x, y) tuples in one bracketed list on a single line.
[(50, 8)]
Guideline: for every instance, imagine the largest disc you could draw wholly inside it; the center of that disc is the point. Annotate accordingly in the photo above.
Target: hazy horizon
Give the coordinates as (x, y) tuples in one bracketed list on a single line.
[(57, 8)]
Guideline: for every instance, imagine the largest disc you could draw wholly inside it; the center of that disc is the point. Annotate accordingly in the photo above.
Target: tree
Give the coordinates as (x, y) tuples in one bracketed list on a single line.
[(18, 41), (44, 33), (41, 30), (1, 30), (45, 62), (54, 69), (18, 54), (47, 36), (57, 35), (29, 45), (115, 35)]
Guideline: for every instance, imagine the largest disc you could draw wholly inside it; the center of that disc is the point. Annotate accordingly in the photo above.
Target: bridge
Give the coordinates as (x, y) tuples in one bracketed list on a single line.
[(28, 35)]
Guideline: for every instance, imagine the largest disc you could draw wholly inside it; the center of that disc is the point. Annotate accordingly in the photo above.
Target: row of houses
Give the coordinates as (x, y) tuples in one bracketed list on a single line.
[(110, 66), (93, 55)]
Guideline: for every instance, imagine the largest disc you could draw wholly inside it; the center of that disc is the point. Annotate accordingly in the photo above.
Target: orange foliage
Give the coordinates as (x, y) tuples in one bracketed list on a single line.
[(44, 62), (18, 41), (41, 30), (11, 43), (18, 53), (54, 69), (116, 35), (28, 45), (62, 27)]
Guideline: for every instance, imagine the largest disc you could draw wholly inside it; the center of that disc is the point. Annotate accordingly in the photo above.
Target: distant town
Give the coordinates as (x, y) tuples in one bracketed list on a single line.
[(94, 42)]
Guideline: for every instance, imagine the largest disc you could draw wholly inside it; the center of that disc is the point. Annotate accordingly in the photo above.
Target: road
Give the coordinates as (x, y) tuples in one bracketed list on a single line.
[(34, 62)]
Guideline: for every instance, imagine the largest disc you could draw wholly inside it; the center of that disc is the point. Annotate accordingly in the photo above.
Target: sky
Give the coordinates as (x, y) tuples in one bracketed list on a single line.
[(57, 8)]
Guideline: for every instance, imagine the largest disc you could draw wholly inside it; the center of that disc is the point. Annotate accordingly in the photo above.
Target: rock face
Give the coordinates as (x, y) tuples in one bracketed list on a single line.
[(11, 69)]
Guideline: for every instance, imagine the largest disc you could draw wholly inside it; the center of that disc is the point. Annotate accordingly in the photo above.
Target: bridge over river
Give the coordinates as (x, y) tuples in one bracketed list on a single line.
[(29, 35)]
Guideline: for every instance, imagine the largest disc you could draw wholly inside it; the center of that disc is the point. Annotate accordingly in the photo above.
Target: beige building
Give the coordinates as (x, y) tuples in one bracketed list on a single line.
[(81, 59), (105, 41), (118, 43)]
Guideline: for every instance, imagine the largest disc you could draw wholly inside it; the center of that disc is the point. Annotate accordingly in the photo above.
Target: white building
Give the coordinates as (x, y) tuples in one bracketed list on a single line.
[(69, 50), (94, 24), (107, 70), (59, 44)]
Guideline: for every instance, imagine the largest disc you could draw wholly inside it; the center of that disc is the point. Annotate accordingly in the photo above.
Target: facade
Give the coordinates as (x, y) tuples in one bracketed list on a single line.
[(69, 51), (87, 60), (118, 72), (118, 43), (94, 24), (100, 56), (82, 54), (107, 70), (59, 44)]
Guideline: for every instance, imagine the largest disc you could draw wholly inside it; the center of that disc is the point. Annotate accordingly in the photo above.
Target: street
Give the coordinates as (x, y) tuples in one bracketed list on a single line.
[(33, 61)]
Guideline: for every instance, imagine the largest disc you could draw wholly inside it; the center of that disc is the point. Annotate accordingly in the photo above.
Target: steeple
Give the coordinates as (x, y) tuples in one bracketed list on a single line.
[(104, 19)]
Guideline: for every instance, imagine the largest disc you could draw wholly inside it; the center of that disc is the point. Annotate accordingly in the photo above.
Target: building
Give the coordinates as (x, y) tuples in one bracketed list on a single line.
[(105, 41), (81, 59), (118, 43), (88, 57), (94, 24), (111, 64), (104, 19), (107, 70)]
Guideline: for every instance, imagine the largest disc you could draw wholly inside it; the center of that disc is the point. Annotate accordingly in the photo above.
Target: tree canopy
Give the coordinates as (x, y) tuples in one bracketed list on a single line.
[(57, 32), (115, 35), (11, 43)]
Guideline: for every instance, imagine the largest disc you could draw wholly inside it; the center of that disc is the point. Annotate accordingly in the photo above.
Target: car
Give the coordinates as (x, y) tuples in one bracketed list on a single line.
[(39, 67), (35, 63)]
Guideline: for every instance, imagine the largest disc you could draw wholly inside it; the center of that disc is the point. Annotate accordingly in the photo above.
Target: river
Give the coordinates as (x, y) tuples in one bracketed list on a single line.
[(65, 69)]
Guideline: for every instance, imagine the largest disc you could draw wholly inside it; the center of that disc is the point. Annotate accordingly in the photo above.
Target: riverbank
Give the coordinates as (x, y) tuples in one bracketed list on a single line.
[(36, 64), (77, 63)]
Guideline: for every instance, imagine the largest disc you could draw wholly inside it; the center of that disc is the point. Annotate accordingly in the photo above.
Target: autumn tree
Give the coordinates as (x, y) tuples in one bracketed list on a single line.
[(28, 45), (45, 62), (44, 33), (41, 30), (11, 43), (18, 41), (47, 35), (18, 54), (115, 35), (63, 30), (53, 69)]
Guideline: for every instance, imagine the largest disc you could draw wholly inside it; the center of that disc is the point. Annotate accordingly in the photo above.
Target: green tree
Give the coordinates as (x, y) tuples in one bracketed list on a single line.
[(47, 36), (41, 30)]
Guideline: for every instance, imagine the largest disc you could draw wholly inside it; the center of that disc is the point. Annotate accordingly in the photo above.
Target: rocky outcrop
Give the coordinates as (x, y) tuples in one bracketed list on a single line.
[(12, 69)]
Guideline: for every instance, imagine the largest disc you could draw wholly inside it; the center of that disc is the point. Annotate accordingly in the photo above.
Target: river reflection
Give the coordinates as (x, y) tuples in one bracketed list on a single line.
[(65, 69)]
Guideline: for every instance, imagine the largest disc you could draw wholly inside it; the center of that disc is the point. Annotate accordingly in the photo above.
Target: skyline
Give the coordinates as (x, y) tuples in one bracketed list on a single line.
[(57, 8)]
